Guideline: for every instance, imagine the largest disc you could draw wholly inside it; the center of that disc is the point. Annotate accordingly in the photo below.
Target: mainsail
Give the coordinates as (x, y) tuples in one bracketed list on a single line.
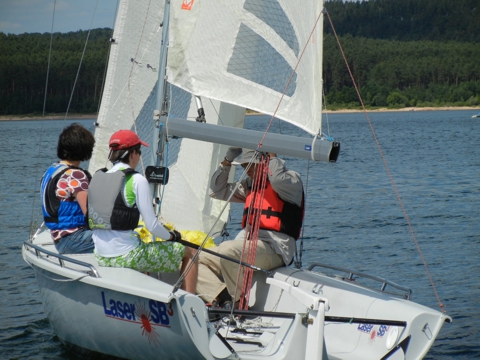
[(247, 52), (129, 101)]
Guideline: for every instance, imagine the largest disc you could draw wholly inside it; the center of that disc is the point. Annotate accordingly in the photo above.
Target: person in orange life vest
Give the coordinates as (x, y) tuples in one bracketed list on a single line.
[(64, 189), (280, 224)]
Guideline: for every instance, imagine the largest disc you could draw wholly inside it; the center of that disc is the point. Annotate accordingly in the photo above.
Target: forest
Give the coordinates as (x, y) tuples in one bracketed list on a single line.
[(23, 72), (407, 20), (401, 53)]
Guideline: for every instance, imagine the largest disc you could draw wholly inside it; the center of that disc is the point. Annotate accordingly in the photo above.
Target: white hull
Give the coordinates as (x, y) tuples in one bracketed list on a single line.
[(128, 314)]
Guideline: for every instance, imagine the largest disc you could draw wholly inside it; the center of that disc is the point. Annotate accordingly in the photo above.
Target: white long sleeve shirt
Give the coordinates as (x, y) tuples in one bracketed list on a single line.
[(113, 243)]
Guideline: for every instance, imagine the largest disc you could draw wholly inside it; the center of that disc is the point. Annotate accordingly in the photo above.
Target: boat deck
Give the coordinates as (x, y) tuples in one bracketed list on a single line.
[(354, 314)]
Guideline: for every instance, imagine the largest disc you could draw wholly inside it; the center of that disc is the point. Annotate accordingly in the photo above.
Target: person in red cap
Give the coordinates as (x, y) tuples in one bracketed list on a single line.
[(64, 192), (124, 139), (116, 200)]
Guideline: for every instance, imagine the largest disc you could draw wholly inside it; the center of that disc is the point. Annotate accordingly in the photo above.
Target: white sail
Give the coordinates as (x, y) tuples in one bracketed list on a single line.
[(131, 76), (129, 101), (186, 201), (244, 53)]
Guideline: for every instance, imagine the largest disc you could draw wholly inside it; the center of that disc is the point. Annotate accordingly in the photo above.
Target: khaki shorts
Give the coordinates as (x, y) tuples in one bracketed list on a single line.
[(158, 256)]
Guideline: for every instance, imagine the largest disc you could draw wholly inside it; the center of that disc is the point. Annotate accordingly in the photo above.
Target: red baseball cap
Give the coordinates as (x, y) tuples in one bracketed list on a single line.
[(124, 139)]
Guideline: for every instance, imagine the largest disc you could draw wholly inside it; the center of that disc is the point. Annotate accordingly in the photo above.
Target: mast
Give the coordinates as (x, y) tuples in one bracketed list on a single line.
[(162, 68), (161, 111)]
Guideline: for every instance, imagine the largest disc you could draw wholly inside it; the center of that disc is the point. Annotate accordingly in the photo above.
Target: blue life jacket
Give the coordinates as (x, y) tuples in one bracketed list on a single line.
[(59, 215)]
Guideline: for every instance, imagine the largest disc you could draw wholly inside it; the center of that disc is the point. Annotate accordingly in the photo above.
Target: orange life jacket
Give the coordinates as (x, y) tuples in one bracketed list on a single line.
[(276, 214)]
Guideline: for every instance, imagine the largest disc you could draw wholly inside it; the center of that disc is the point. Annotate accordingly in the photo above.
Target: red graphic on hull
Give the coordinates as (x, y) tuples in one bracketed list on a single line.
[(147, 329)]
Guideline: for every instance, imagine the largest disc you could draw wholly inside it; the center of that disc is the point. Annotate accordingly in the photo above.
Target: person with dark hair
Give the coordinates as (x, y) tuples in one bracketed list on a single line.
[(64, 192), (117, 198), (280, 222)]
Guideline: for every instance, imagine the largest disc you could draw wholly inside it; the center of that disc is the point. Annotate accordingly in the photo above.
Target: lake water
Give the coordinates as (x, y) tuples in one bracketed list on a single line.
[(353, 218)]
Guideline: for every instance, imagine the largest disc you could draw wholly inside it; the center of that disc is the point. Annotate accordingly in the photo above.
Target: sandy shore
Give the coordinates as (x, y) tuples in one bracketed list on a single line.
[(346, 111), (342, 111)]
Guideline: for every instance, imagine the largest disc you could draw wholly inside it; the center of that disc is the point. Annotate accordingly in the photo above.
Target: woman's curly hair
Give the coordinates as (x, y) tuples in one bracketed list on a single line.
[(75, 143)]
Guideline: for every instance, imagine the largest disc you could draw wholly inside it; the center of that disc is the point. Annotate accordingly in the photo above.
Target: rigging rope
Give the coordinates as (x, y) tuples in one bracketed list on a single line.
[(33, 223), (294, 71), (251, 236), (104, 77), (129, 82), (298, 261), (202, 245), (399, 199), (263, 176), (81, 60)]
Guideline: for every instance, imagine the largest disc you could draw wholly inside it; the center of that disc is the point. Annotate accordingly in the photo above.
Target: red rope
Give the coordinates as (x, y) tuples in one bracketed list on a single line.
[(251, 236), (442, 307), (290, 79)]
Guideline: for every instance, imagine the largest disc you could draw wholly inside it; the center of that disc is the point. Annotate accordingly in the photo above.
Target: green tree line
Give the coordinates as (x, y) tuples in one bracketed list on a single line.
[(403, 53), (401, 73), (407, 20), (23, 71)]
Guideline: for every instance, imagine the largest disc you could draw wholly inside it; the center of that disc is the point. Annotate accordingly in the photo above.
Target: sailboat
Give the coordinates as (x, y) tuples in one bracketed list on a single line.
[(181, 74)]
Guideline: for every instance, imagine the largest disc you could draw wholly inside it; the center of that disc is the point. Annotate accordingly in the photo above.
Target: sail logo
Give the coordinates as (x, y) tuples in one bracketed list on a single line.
[(148, 317), (187, 4)]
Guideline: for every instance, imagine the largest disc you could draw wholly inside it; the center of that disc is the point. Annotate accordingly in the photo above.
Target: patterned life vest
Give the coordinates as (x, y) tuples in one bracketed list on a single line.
[(276, 214), (107, 209), (60, 215)]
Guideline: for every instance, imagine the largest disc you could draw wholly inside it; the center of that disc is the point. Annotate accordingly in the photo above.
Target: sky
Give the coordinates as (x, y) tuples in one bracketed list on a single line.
[(27, 16)]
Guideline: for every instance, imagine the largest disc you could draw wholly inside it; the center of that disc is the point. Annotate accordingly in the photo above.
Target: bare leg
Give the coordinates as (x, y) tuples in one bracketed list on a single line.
[(190, 282)]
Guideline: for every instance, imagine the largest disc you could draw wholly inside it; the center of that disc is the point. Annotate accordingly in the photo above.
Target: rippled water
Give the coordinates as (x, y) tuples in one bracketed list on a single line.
[(353, 218)]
